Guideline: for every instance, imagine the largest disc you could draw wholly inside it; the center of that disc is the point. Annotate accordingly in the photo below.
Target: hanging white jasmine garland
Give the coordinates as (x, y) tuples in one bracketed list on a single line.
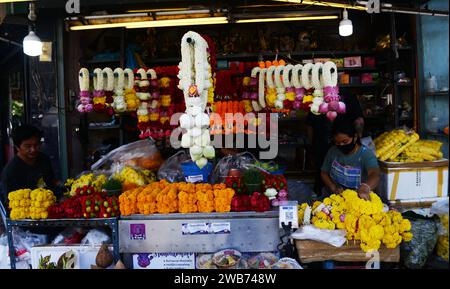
[(144, 85), (259, 103), (332, 105), (195, 75), (316, 81), (281, 96), (288, 82), (119, 103), (85, 104)]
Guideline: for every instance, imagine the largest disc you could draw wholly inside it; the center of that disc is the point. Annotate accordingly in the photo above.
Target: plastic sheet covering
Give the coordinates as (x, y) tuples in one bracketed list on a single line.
[(416, 252)]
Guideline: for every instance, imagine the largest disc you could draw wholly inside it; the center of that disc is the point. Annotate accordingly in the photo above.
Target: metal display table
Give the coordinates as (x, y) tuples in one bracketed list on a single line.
[(107, 222), (199, 233)]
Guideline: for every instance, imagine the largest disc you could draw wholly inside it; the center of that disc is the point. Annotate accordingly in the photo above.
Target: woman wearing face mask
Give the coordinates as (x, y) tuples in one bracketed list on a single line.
[(349, 164)]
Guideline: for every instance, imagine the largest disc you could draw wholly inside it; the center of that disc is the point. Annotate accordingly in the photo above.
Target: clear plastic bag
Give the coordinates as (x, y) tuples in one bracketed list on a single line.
[(171, 169), (415, 253), (23, 242), (96, 237), (140, 154), (240, 161), (333, 237), (440, 208), (262, 261), (70, 236)]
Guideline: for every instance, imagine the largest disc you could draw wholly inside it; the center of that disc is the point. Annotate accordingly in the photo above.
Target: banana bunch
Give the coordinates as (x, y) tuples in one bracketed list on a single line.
[(401, 146)]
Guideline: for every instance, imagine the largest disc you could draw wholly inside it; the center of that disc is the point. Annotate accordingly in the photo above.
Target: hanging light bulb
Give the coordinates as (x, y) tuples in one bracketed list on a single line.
[(345, 26), (32, 44)]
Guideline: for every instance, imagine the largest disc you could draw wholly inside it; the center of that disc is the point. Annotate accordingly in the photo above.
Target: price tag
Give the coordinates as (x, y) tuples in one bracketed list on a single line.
[(289, 214)]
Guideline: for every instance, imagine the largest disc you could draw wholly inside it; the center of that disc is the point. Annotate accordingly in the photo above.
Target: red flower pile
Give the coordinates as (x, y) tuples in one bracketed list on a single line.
[(277, 182), (87, 203)]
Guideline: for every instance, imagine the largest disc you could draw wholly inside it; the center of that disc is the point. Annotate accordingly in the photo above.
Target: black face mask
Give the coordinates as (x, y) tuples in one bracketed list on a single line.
[(348, 148)]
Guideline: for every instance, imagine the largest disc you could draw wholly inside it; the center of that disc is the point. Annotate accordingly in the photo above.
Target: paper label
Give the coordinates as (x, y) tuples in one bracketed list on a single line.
[(137, 232), (220, 228), (164, 261), (194, 179), (206, 228), (194, 228)]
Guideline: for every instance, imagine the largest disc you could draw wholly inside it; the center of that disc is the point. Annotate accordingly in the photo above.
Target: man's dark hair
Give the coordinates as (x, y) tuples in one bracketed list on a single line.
[(343, 125), (24, 132)]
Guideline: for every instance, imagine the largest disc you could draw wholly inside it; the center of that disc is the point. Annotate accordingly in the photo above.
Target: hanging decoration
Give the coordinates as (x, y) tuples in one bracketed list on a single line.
[(119, 105), (195, 81), (109, 90), (332, 105), (85, 104), (99, 99), (132, 101)]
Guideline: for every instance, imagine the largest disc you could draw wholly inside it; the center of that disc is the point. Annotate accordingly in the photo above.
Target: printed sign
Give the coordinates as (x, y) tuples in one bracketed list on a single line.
[(288, 214), (164, 261), (137, 232), (206, 228)]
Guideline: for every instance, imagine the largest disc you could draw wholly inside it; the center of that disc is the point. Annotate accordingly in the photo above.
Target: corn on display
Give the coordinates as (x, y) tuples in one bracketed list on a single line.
[(401, 146)]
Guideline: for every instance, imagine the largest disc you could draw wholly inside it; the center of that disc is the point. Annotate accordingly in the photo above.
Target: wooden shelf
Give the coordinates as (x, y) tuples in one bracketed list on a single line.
[(408, 84), (100, 61), (269, 55), (104, 127), (437, 93), (358, 69), (361, 85)]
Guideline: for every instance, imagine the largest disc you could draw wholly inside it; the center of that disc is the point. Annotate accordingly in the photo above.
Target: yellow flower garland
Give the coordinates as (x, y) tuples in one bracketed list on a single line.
[(363, 220)]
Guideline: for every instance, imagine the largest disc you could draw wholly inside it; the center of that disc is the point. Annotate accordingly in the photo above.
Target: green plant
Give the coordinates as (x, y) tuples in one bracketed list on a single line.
[(253, 179), (112, 187), (44, 263)]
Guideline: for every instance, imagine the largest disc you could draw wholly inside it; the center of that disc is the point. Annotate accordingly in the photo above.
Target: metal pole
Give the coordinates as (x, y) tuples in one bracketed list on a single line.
[(62, 129)]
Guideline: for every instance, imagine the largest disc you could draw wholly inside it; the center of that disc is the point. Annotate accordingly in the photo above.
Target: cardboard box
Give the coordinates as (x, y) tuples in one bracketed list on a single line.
[(84, 254), (414, 182), (164, 261)]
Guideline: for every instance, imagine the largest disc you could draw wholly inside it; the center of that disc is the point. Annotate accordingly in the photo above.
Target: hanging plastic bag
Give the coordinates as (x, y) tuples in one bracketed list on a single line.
[(171, 169), (441, 209), (141, 154), (333, 237), (241, 162)]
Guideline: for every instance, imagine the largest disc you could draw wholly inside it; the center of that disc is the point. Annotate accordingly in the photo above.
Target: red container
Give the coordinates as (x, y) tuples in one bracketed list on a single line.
[(366, 78), (369, 61)]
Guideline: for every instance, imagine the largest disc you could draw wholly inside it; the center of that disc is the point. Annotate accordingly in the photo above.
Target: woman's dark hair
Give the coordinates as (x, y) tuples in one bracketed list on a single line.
[(344, 126), (24, 132)]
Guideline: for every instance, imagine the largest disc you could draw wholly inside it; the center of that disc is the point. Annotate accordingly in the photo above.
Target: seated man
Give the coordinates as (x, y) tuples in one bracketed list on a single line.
[(29, 168)]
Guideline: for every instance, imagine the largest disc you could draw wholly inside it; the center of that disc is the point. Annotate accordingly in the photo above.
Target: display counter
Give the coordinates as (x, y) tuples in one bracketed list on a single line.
[(199, 233)]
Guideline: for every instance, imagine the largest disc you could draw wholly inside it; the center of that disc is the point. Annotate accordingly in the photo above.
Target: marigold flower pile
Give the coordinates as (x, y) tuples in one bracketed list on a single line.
[(34, 204), (164, 198), (363, 220)]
